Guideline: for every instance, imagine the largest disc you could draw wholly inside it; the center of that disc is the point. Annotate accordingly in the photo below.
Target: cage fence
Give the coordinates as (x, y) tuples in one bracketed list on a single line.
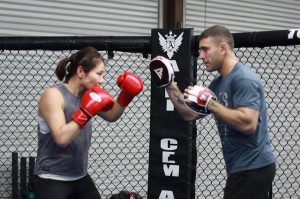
[(118, 157)]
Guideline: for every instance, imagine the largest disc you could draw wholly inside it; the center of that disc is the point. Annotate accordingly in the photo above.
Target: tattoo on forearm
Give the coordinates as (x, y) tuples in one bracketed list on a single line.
[(177, 95), (179, 100)]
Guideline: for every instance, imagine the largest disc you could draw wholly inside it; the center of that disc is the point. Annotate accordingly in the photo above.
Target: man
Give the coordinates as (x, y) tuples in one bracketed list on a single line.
[(236, 100)]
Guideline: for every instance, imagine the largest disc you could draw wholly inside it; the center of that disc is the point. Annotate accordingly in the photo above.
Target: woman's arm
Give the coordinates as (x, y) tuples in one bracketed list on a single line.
[(51, 109), (113, 114), (131, 85)]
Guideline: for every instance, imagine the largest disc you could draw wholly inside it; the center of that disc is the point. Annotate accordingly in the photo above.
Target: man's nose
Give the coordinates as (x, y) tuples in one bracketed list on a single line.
[(200, 55)]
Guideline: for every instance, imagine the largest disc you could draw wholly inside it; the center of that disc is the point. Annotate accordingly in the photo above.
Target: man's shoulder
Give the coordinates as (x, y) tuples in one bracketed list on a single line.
[(246, 72)]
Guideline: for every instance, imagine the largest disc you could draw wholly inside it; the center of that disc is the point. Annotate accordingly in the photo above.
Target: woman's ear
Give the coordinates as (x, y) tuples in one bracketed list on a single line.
[(80, 72)]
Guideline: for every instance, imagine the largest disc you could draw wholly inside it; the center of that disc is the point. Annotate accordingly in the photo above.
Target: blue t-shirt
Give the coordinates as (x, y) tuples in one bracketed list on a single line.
[(242, 88)]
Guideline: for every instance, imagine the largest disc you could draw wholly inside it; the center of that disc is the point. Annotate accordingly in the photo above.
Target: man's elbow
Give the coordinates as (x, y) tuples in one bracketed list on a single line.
[(189, 117), (249, 129), (249, 120)]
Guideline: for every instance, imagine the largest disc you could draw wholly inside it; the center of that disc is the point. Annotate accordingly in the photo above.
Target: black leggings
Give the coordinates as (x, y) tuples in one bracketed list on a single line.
[(250, 184), (83, 188)]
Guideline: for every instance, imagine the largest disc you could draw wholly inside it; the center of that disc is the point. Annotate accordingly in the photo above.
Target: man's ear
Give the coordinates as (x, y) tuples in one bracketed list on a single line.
[(224, 48), (80, 72)]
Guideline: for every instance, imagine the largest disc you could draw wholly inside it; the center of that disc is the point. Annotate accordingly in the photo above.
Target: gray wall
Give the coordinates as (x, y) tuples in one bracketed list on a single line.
[(68, 17), (244, 15)]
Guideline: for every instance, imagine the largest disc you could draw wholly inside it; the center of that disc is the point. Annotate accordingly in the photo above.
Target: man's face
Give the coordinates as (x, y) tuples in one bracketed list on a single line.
[(210, 54)]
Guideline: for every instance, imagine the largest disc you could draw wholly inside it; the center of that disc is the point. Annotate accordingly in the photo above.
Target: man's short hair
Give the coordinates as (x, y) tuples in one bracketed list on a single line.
[(219, 34)]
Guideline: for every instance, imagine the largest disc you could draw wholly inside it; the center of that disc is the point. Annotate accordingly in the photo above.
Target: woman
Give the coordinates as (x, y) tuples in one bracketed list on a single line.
[(65, 128)]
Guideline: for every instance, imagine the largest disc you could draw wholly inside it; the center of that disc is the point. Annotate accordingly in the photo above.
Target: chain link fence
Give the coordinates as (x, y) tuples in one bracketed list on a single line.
[(119, 152), (279, 69)]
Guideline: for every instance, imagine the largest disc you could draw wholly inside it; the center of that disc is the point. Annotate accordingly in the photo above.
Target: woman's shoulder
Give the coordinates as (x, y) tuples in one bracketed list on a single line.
[(51, 99), (52, 93)]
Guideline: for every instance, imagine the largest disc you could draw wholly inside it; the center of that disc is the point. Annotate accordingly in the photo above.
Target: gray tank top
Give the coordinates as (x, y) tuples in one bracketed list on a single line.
[(69, 161)]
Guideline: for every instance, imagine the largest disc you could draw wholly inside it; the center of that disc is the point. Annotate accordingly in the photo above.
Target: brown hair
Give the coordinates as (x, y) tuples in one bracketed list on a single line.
[(87, 57), (219, 34)]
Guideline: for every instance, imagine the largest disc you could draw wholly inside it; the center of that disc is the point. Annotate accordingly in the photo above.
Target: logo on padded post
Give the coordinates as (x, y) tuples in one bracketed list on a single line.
[(171, 44)]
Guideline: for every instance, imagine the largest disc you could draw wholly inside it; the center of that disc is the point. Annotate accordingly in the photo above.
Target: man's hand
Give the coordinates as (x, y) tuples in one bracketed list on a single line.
[(197, 99)]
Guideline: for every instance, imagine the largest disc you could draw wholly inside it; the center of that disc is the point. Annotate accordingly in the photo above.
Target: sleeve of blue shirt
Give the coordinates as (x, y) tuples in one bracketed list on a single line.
[(246, 93)]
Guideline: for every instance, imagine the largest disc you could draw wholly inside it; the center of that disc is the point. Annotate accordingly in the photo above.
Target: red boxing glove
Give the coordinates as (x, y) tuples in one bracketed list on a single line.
[(131, 85), (93, 101)]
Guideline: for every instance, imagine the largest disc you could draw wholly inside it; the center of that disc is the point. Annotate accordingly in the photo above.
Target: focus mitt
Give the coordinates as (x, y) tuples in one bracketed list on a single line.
[(162, 72)]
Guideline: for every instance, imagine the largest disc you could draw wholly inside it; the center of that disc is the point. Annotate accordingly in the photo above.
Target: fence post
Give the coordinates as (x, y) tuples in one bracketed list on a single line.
[(30, 194), (172, 151), (23, 177), (14, 176)]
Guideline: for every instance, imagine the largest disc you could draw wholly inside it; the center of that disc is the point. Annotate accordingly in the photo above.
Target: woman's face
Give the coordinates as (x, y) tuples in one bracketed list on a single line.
[(95, 77)]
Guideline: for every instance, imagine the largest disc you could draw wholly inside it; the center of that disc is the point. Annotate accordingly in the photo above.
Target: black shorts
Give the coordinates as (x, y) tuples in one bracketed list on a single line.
[(250, 184), (83, 188)]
